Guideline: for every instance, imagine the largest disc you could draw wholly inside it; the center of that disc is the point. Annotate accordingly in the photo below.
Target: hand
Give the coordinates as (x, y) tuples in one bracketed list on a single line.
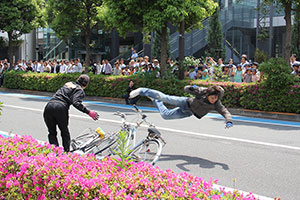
[(94, 115), (228, 125)]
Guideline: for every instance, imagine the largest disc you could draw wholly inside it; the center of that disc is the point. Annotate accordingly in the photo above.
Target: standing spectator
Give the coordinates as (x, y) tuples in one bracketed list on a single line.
[(220, 63), (134, 55), (130, 88), (98, 67), (116, 70), (146, 60), (3, 69), (254, 65), (56, 67), (47, 67), (192, 72), (226, 70), (231, 72), (238, 76), (293, 59), (255, 76), (63, 67), (248, 76), (296, 66), (204, 76), (79, 65), (125, 71), (19, 67), (24, 65), (107, 68), (156, 64), (41, 66), (122, 65), (244, 61), (35, 66), (29, 68)]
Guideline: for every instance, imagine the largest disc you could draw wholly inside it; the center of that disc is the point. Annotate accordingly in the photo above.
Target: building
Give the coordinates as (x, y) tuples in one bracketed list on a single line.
[(243, 26)]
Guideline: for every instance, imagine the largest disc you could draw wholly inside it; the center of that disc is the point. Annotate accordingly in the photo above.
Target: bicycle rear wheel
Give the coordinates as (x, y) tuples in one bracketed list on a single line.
[(103, 147), (79, 142), (148, 151)]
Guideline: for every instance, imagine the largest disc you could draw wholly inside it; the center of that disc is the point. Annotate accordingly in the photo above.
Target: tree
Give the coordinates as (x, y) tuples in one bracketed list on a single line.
[(195, 13), (287, 7), (215, 37), (147, 16), (157, 44), (68, 17), (19, 17), (296, 33)]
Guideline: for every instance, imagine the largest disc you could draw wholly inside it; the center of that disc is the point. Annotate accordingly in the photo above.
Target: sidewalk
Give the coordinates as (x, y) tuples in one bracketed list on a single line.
[(233, 111)]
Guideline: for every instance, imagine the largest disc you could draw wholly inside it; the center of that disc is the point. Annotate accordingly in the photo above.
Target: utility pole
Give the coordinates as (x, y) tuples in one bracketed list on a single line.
[(271, 30), (257, 23)]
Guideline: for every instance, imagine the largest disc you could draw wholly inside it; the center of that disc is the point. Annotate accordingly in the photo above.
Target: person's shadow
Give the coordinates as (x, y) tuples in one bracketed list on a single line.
[(189, 160)]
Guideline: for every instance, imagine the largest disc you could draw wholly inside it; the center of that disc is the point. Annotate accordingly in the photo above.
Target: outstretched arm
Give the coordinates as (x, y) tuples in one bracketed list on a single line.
[(194, 89), (220, 108), (77, 103)]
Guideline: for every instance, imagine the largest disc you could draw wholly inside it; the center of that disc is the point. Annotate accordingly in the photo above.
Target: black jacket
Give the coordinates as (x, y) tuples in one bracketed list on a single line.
[(129, 89), (70, 94), (200, 106)]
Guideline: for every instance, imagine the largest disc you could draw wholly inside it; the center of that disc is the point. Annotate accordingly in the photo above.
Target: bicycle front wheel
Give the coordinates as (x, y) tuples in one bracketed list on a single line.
[(148, 151), (103, 147)]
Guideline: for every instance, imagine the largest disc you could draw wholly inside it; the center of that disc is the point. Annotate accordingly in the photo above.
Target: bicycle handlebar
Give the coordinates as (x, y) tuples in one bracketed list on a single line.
[(138, 111)]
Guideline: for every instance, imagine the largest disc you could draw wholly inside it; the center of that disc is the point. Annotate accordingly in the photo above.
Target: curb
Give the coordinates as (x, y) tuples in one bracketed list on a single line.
[(234, 111)]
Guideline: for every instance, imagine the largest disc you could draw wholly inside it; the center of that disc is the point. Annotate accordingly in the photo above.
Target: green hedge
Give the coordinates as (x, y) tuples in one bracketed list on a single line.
[(256, 96)]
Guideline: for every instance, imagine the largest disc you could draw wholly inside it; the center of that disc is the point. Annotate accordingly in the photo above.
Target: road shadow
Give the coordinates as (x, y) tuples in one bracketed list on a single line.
[(190, 160), (261, 125)]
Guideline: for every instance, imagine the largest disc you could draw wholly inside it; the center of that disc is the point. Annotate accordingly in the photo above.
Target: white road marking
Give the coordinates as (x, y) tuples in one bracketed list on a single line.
[(181, 131)]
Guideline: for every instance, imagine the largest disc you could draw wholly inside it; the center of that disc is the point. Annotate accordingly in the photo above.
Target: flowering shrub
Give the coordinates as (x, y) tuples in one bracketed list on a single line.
[(29, 170), (261, 96)]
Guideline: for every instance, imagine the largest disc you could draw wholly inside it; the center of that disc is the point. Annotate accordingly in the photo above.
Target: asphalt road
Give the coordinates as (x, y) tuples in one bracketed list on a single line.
[(263, 156)]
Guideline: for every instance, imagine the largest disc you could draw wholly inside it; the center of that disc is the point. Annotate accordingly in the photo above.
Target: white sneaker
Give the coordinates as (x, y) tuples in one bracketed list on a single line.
[(134, 93), (150, 98)]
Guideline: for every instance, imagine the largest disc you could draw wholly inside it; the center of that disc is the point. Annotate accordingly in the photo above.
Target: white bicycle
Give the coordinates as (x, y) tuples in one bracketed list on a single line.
[(147, 150)]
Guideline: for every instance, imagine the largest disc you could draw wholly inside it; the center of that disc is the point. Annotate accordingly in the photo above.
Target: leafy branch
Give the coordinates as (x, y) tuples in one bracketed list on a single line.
[(123, 151)]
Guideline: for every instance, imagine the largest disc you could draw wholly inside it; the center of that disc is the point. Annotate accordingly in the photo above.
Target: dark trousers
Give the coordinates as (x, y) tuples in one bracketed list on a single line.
[(130, 101), (56, 114), (1, 79)]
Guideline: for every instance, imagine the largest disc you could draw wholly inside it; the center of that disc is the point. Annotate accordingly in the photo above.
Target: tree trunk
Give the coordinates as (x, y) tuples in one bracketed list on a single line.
[(10, 49), (288, 35), (181, 51), (163, 53), (87, 48)]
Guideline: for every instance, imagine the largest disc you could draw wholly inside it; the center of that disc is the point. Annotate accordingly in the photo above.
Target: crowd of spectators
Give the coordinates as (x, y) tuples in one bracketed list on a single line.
[(245, 71)]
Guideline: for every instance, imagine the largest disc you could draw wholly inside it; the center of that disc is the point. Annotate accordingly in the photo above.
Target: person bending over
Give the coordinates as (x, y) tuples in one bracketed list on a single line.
[(56, 112), (204, 100)]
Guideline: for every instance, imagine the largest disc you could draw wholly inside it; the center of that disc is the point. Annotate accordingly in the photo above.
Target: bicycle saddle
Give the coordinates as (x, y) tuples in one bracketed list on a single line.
[(153, 132)]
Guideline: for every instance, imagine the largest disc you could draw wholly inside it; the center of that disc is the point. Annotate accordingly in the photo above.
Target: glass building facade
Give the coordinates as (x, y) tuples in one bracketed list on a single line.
[(239, 23)]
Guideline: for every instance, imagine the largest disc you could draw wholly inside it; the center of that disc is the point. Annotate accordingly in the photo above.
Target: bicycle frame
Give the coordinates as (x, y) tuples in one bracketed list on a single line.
[(133, 128)]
